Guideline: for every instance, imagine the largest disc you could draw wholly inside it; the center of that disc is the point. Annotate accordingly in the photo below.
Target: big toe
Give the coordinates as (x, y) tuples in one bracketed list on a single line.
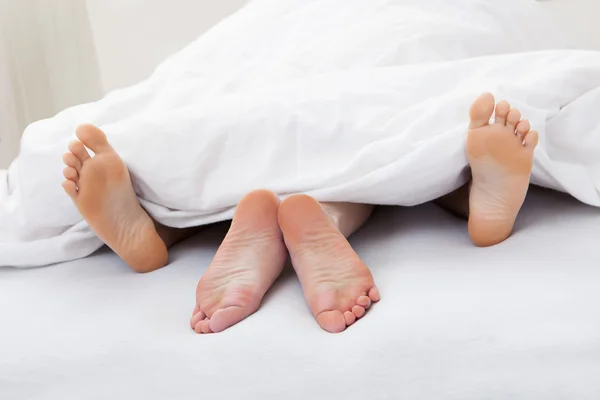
[(482, 110), (92, 138), (332, 321), (229, 316)]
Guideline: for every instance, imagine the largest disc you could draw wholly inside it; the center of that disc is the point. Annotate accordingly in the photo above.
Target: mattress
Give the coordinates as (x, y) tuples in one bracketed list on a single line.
[(517, 321)]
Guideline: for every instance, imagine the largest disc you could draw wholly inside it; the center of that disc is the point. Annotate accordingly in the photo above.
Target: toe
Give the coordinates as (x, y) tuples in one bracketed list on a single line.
[(349, 317), (332, 321), (374, 294), (359, 311), (227, 317), (70, 188), (71, 174), (482, 110), (196, 310), (78, 150), (206, 326), (502, 110), (71, 160), (198, 326), (523, 129), (295, 209), (197, 317), (260, 198), (92, 138), (531, 140), (513, 118), (364, 301)]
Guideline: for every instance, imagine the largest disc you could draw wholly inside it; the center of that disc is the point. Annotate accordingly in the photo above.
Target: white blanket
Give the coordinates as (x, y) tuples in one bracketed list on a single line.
[(346, 100)]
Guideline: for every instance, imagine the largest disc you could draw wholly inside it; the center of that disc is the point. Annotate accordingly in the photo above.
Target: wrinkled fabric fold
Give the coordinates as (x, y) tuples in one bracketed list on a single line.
[(367, 104)]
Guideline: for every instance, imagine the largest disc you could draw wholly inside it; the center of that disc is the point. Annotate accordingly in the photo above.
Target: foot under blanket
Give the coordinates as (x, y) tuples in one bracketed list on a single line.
[(345, 100)]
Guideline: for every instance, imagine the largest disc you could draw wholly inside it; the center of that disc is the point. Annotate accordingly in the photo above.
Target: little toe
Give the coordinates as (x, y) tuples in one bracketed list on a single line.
[(374, 294), (196, 309), (71, 160), (349, 317), (70, 188), (332, 321), (92, 138), (364, 301), (523, 128), (359, 311), (513, 118), (71, 174), (197, 317), (502, 110), (531, 140), (227, 317), (482, 110), (78, 150)]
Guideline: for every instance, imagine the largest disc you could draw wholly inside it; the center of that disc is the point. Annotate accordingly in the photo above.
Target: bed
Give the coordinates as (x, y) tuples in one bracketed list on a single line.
[(516, 321)]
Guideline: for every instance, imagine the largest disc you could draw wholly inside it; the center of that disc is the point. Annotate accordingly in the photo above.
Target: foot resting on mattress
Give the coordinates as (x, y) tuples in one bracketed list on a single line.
[(501, 159), (338, 286), (247, 263), (101, 189)]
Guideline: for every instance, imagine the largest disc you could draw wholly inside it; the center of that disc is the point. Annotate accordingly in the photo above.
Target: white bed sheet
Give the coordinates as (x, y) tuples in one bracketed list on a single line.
[(517, 321)]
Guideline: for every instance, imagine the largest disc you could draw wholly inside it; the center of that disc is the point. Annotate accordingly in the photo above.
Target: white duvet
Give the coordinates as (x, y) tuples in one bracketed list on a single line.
[(347, 100)]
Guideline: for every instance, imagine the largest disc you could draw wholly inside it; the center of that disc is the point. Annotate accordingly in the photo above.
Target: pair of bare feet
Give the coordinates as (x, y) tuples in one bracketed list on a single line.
[(339, 288)]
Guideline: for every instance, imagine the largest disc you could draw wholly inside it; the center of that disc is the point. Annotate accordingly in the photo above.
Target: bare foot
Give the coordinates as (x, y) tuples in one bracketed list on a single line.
[(101, 189), (247, 263), (501, 158), (338, 286)]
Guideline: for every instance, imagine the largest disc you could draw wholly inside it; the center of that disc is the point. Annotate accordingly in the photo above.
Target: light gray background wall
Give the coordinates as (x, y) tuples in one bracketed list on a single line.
[(581, 18), (130, 47), (134, 36), (47, 63)]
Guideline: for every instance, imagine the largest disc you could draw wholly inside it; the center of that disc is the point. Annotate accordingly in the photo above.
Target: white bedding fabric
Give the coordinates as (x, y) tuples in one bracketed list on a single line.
[(343, 99), (519, 321)]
